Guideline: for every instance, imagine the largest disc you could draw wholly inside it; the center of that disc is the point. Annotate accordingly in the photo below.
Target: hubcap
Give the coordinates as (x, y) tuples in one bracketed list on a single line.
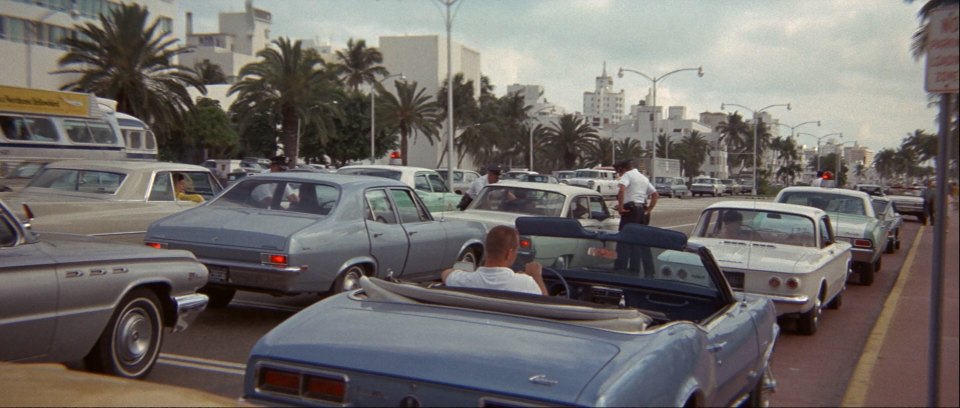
[(351, 281), (134, 336)]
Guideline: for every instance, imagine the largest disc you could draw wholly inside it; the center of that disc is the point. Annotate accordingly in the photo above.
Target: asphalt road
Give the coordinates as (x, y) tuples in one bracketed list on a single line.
[(810, 370)]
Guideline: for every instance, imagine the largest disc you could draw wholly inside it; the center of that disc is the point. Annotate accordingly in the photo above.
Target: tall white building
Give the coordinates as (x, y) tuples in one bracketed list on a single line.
[(423, 58), (30, 32), (603, 107), (236, 43)]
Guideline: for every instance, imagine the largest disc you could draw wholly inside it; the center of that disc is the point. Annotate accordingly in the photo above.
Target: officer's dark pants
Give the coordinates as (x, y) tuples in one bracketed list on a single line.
[(630, 257)]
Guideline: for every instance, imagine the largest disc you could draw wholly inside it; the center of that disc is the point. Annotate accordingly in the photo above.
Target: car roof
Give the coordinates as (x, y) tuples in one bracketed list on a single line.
[(811, 212), (565, 189), (341, 179), (123, 165), (402, 169), (828, 190)]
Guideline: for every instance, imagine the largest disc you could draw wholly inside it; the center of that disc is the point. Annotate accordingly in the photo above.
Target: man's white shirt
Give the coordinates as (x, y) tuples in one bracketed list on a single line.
[(638, 187), (493, 278)]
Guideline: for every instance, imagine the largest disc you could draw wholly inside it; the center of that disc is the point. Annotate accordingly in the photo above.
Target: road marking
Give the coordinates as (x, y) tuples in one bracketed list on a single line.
[(199, 363), (856, 394)]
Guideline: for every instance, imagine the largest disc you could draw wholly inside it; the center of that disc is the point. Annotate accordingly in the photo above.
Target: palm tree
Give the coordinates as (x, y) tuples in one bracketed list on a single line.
[(410, 111), (126, 60), (293, 85), (359, 64), (466, 110), (733, 134), (692, 151), (599, 153), (883, 161), (630, 148), (210, 73), (570, 136), (923, 144)]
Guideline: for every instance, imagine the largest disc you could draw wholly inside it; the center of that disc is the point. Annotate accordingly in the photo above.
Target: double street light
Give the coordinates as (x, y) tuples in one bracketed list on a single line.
[(756, 125), (819, 138), (530, 167), (373, 116), (654, 80)]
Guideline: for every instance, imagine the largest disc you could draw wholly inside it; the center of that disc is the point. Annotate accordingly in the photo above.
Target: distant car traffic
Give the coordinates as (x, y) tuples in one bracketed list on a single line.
[(537, 178), (112, 199), (564, 175), (909, 201), (291, 233), (67, 297), (602, 181), (784, 252), (462, 179), (853, 219), (731, 187), (607, 337)]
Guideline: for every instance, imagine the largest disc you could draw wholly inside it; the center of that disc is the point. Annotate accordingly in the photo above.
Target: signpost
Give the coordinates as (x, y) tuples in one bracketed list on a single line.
[(942, 48)]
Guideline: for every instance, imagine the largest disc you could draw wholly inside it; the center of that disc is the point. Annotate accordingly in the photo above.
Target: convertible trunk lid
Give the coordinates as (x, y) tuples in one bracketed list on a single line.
[(427, 343), (232, 227), (753, 255)]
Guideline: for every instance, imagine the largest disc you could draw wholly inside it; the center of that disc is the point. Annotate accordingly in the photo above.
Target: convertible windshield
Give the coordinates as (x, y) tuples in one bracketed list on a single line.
[(834, 203), (768, 227), (254, 192), (520, 200)]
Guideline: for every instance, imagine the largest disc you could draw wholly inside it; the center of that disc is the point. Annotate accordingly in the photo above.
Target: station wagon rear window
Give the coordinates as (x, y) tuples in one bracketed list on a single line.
[(85, 181)]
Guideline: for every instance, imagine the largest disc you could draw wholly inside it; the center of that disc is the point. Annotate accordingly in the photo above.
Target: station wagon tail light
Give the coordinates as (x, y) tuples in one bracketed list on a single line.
[(775, 282), (157, 245), (274, 259), (863, 243), (793, 283), (526, 243)]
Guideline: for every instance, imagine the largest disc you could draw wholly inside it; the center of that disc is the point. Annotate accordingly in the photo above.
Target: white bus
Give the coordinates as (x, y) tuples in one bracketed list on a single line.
[(43, 126)]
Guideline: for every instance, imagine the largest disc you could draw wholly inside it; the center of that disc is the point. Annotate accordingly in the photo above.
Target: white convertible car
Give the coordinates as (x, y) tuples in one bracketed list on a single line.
[(502, 203), (785, 252)]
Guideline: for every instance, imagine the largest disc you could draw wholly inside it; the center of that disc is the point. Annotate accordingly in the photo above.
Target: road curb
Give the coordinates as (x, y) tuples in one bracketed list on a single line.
[(862, 377)]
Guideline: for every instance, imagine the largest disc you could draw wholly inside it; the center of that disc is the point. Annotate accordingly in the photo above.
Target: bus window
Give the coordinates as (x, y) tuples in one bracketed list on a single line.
[(133, 139), (151, 142), (42, 129), (14, 128), (77, 131), (102, 132)]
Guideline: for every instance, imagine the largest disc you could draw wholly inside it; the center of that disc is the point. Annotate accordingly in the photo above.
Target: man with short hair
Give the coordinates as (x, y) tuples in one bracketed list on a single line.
[(501, 246)]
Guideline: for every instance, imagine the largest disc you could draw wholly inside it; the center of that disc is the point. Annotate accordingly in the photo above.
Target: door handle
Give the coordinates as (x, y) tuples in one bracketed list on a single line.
[(715, 347), (377, 234), (410, 234)]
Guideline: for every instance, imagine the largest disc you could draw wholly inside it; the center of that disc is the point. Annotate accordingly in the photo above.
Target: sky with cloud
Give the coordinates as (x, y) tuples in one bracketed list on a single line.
[(846, 63)]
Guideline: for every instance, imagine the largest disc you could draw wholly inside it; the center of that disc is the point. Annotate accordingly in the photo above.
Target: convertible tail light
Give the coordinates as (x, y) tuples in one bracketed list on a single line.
[(863, 243), (774, 282), (331, 388), (274, 259), (666, 271), (793, 283), (157, 245), (682, 274), (324, 388)]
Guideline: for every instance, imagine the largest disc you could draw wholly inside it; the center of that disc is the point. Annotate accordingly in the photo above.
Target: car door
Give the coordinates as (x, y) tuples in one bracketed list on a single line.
[(427, 238), (28, 295), (732, 340), (388, 239), (837, 268)]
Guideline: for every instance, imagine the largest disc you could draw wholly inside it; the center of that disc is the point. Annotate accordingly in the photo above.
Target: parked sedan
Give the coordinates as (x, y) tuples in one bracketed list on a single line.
[(784, 252), (731, 186), (116, 199), (909, 201), (853, 221), (430, 186), (504, 202), (291, 233), (68, 297), (891, 221), (706, 185), (609, 337), (671, 186)]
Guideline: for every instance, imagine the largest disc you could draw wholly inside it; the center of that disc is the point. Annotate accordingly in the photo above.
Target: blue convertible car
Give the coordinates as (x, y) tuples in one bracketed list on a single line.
[(641, 318)]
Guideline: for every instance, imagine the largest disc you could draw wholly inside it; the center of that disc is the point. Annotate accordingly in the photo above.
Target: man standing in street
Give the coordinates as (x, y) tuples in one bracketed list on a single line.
[(635, 201), (492, 177)]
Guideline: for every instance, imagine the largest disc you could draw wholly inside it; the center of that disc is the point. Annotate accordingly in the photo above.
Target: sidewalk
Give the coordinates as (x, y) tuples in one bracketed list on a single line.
[(893, 367)]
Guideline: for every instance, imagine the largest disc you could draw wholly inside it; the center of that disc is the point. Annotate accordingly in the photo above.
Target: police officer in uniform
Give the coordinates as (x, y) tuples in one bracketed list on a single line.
[(635, 201)]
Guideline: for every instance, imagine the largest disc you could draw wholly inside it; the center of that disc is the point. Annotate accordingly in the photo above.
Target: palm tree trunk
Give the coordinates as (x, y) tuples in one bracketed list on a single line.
[(404, 148), (289, 124)]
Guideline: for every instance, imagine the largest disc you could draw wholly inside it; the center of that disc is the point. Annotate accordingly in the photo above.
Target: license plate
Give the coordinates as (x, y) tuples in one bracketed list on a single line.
[(218, 273), (735, 279)]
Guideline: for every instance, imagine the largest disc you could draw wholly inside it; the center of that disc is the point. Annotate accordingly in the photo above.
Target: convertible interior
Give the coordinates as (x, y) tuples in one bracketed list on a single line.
[(639, 289)]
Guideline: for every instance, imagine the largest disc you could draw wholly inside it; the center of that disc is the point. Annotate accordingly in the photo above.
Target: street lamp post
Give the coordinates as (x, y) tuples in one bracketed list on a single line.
[(654, 80), (819, 138), (530, 167), (373, 116), (756, 123), (448, 23)]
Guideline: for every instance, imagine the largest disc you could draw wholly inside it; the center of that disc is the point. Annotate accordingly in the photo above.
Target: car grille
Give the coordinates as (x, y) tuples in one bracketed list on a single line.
[(735, 279)]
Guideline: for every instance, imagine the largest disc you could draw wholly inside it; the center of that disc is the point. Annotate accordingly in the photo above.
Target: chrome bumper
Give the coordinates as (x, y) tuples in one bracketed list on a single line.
[(188, 308), (861, 255)]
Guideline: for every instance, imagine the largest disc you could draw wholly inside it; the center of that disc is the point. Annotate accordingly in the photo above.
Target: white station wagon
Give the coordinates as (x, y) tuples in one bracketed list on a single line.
[(785, 252)]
